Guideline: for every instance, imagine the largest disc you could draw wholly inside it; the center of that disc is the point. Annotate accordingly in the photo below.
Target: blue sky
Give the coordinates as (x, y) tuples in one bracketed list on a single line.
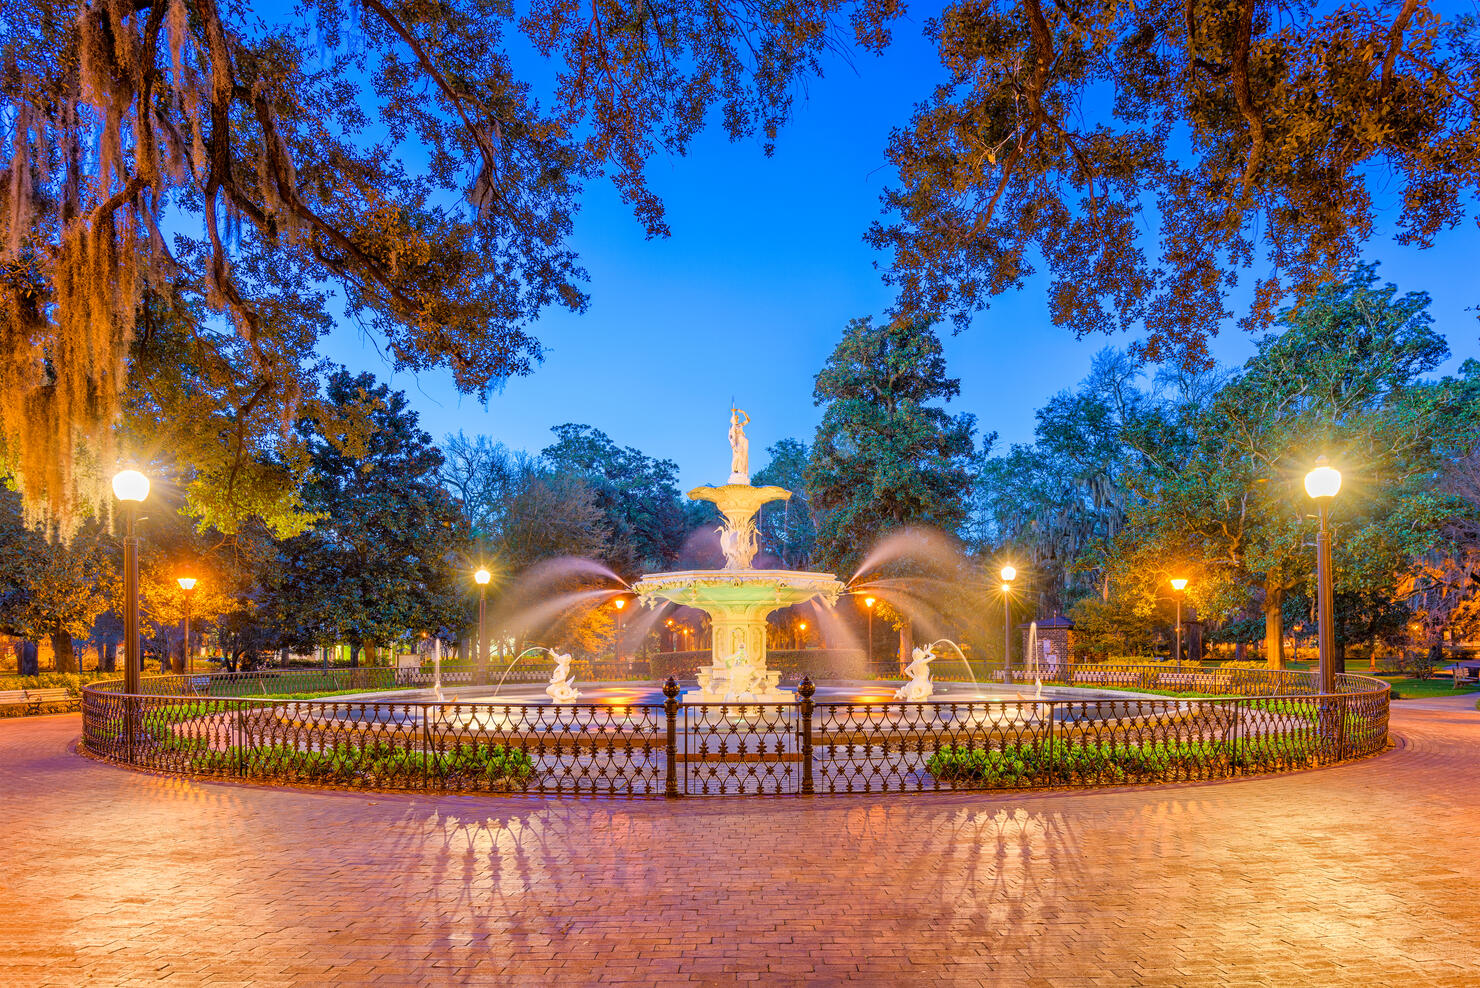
[(765, 265)]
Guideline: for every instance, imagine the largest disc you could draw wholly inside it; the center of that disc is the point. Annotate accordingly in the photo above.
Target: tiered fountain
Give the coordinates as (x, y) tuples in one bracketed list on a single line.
[(738, 599)]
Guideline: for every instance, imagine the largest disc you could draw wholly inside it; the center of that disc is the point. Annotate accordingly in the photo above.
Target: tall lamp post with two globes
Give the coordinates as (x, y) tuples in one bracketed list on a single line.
[(1322, 484), (868, 603)]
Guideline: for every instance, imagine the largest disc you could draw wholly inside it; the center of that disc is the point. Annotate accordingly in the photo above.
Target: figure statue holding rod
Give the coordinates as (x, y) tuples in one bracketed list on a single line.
[(739, 448)]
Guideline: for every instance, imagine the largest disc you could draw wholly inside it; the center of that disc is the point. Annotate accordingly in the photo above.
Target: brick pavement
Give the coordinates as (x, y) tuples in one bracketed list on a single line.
[(1360, 874)]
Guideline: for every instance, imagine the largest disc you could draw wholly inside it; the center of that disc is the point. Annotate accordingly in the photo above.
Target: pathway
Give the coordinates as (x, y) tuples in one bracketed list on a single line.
[(1336, 876)]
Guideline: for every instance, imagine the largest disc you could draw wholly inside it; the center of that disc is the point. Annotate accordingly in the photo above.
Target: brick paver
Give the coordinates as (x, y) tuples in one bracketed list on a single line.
[(1360, 874)]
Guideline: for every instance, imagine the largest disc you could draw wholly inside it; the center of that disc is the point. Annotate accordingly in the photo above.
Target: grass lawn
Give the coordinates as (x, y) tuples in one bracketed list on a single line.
[(1424, 689)]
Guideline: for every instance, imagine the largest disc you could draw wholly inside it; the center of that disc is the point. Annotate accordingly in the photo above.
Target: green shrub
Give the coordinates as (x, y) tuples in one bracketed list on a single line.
[(1063, 762)]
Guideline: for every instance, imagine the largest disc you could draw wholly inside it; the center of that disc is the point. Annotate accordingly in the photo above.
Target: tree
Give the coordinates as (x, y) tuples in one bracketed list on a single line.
[(885, 457), (49, 590), (1058, 504), (246, 157), (638, 495), (1222, 482), (380, 561), (1229, 136), (786, 530)]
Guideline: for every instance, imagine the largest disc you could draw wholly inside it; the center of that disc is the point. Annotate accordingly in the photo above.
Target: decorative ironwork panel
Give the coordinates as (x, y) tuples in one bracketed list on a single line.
[(739, 748)]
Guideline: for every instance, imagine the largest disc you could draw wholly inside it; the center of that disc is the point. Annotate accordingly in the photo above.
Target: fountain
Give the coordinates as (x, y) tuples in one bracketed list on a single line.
[(738, 599)]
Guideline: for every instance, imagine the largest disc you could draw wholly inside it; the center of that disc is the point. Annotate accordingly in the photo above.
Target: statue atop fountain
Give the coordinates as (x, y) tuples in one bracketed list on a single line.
[(919, 687), (562, 687), (739, 448), (738, 598)]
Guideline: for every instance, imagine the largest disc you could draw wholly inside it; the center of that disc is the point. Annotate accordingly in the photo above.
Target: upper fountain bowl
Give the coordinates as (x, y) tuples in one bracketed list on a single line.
[(711, 590)]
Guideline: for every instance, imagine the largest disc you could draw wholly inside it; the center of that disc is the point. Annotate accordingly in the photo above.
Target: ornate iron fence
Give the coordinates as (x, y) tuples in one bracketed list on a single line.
[(251, 726)]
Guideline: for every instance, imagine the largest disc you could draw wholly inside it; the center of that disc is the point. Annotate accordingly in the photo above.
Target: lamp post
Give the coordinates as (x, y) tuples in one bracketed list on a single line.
[(1008, 575), (481, 578), (801, 634), (187, 584), (868, 603), (1321, 484), (131, 487), (619, 603), (1179, 585)]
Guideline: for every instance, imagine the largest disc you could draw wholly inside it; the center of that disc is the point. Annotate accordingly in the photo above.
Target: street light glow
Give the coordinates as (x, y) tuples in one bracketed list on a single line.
[(1008, 574), (482, 577), (1179, 584), (130, 485), (186, 582), (868, 602), (1323, 481), (619, 603)]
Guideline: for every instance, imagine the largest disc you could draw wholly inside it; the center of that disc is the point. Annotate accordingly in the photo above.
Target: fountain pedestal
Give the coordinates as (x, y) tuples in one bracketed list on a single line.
[(737, 602)]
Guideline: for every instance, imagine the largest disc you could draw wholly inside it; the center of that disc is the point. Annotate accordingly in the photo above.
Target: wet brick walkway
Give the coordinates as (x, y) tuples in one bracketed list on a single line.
[(1362, 874)]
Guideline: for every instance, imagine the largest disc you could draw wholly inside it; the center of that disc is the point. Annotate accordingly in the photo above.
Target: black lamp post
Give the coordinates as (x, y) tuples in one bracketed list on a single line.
[(131, 487), (1179, 585), (1009, 574), (187, 584), (481, 578), (1322, 483)]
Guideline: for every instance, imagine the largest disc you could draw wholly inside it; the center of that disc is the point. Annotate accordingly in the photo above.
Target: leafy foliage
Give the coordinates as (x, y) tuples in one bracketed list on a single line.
[(885, 457), (380, 559), (1228, 136)]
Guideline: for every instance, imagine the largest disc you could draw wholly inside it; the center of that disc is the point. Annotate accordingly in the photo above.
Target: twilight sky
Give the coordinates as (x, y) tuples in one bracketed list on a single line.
[(765, 266)]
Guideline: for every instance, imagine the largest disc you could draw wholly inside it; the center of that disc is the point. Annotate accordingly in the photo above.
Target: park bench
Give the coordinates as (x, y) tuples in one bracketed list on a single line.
[(34, 698)]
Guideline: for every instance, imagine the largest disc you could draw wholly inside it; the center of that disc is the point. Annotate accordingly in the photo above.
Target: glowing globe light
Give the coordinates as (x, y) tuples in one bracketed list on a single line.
[(186, 582), (1008, 574), (130, 485), (1323, 481), (482, 577), (1179, 584)]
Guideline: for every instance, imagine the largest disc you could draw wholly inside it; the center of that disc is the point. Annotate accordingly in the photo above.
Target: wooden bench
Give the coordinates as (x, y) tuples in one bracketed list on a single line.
[(34, 698)]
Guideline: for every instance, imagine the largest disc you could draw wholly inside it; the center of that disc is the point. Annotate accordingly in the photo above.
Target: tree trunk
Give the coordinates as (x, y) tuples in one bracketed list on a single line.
[(179, 659), (1274, 628), (108, 661), (1239, 651), (354, 655), (63, 659), (27, 661)]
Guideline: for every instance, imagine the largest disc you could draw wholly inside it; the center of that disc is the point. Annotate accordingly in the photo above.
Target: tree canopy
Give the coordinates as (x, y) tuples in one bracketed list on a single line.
[(226, 161), (886, 456), (1151, 153)]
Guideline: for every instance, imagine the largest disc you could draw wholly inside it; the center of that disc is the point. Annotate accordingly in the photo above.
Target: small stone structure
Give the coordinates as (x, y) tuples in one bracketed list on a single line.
[(1055, 642)]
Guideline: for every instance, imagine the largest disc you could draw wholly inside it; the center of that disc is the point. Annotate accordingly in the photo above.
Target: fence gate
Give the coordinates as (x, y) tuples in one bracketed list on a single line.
[(727, 749)]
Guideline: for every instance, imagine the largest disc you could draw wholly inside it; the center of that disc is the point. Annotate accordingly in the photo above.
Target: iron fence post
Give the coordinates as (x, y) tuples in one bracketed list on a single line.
[(130, 718), (1233, 745), (804, 694), (670, 708), (426, 746), (1341, 728), (241, 739), (1053, 761)]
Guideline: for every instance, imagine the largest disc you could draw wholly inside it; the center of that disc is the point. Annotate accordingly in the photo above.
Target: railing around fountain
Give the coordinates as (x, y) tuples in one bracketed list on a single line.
[(250, 726)]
